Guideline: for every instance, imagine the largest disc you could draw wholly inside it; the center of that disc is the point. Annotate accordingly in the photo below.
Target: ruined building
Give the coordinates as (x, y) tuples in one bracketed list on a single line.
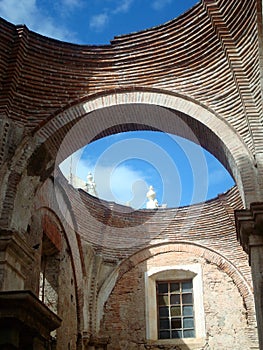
[(80, 273)]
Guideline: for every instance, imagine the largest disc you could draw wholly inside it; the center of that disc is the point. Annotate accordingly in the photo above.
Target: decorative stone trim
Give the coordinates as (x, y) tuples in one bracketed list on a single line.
[(249, 224)]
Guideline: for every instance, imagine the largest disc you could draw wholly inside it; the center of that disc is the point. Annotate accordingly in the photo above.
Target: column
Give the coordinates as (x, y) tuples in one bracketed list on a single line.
[(249, 224)]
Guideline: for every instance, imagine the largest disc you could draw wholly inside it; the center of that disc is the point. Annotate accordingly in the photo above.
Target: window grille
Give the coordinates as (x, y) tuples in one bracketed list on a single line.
[(175, 309)]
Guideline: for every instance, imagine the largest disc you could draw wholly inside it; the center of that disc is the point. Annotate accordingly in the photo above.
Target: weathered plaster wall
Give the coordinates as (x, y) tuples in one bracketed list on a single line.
[(225, 314)]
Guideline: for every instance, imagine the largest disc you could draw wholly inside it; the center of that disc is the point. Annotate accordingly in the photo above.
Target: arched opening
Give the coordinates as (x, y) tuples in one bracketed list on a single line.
[(78, 126), (220, 141), (114, 112), (155, 110), (52, 276)]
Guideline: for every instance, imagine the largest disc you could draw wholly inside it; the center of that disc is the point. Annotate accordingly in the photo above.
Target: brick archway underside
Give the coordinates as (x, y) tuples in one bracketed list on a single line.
[(205, 64), (147, 109)]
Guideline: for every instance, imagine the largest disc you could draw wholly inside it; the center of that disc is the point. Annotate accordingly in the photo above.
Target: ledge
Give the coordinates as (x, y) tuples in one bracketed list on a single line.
[(25, 307), (184, 344)]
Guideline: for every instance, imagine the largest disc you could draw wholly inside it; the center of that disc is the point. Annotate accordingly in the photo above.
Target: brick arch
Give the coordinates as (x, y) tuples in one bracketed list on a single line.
[(244, 287), (89, 117), (113, 111), (49, 220)]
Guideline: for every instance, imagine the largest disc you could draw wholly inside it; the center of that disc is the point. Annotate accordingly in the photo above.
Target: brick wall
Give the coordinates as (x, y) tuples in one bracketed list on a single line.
[(225, 314), (202, 68), (118, 244)]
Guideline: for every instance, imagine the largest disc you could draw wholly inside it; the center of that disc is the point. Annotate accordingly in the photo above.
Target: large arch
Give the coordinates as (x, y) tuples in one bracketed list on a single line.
[(202, 71), (123, 110), (45, 219)]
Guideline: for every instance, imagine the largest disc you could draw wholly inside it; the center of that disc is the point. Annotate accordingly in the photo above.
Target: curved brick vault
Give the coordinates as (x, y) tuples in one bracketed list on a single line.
[(198, 76), (206, 64)]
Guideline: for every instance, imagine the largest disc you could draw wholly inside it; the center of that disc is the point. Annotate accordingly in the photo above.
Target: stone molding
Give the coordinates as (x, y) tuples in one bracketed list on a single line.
[(25, 307), (249, 225)]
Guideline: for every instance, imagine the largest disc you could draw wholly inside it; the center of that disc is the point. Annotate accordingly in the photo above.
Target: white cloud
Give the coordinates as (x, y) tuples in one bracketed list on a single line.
[(160, 4), (123, 6), (99, 21), (48, 28), (17, 11), (124, 185), (27, 12), (120, 184)]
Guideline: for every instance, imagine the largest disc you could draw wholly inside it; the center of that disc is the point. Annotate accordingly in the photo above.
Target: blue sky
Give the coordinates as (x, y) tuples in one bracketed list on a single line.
[(125, 165), (91, 21)]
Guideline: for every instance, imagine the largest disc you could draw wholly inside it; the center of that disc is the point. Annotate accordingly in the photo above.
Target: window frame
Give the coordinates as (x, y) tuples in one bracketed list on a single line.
[(174, 273)]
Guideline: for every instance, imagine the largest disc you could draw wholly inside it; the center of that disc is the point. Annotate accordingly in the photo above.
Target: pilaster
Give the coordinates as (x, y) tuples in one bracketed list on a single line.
[(16, 258), (249, 225)]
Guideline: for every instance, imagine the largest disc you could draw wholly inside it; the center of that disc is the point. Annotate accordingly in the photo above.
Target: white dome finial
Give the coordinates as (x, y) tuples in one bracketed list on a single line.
[(152, 202), (91, 185)]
